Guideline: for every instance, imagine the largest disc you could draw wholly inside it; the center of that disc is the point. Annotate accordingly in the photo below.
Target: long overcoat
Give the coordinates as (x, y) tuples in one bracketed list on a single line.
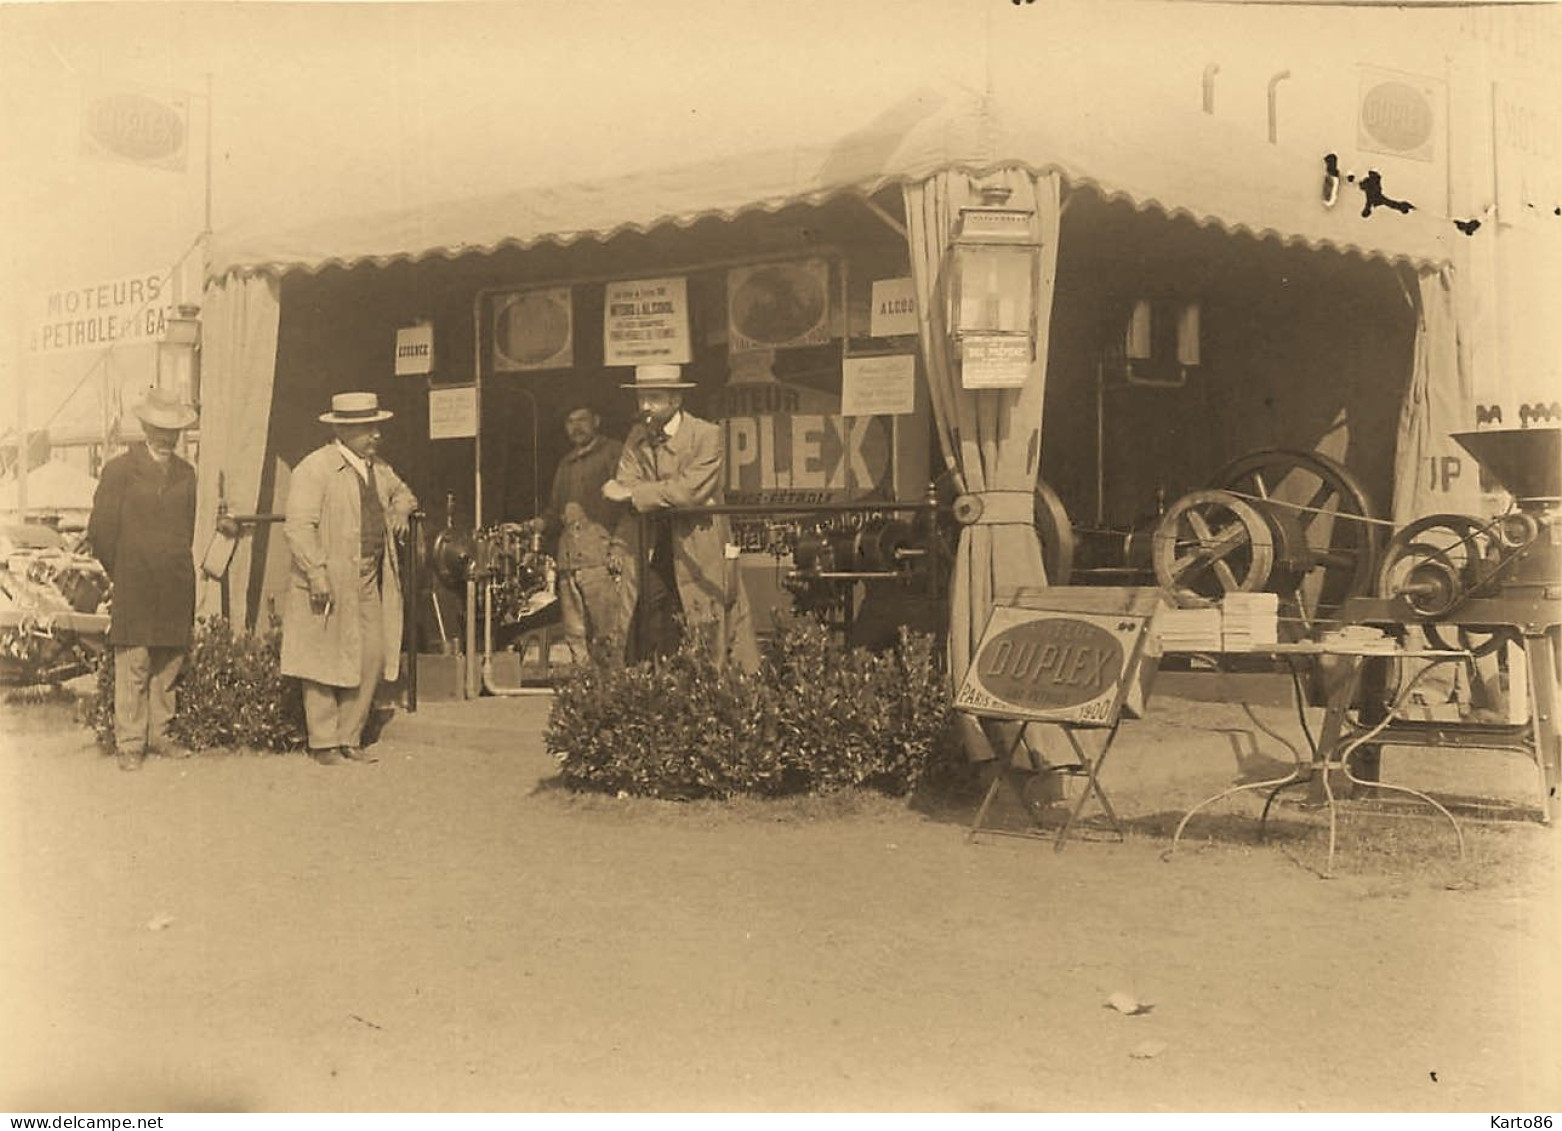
[(323, 526), (143, 529), (685, 470)]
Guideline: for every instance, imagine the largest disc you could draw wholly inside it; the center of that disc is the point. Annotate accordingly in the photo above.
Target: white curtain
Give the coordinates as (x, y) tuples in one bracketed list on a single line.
[(1432, 473), (991, 438), (238, 370)]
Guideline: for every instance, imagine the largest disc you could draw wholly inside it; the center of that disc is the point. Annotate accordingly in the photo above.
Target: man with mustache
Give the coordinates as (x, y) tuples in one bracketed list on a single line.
[(674, 459), (341, 620)]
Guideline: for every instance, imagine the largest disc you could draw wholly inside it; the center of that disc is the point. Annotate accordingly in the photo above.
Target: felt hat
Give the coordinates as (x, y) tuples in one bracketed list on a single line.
[(355, 408), (163, 409), (649, 377)]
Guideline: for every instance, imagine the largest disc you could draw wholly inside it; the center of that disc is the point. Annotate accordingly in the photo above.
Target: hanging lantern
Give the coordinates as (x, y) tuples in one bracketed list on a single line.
[(995, 264), (178, 355)]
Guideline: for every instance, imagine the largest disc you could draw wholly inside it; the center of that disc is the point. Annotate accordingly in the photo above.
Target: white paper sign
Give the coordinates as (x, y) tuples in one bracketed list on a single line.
[(452, 413), (994, 362), (415, 350), (645, 321), (894, 308), (879, 386)]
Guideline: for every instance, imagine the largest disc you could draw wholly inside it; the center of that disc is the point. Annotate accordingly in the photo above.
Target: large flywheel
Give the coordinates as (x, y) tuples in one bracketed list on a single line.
[(1325, 532)]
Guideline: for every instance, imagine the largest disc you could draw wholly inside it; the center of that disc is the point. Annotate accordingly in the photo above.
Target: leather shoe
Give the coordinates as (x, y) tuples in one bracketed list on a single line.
[(131, 759), (356, 754), (325, 755)]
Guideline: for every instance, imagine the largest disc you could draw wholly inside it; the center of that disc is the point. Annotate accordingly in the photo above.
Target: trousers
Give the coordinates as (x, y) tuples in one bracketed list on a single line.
[(143, 695), (589, 607), (335, 716)]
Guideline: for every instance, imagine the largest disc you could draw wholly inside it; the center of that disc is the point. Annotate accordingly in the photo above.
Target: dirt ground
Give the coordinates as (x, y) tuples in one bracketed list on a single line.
[(449, 930)]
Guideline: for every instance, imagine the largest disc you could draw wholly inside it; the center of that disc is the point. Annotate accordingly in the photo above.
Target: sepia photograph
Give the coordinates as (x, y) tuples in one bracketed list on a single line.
[(935, 556)]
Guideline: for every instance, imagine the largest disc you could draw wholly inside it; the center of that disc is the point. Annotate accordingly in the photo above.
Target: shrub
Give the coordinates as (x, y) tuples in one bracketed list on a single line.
[(231, 693), (817, 717)]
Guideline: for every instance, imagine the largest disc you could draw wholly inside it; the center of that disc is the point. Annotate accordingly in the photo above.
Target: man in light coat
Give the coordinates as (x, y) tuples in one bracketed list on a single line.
[(141, 529), (341, 619), (674, 459)]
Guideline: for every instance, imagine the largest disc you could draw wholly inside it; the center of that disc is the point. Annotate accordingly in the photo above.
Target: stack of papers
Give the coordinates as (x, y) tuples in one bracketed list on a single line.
[(1249, 620), (1189, 630), (1360, 638)]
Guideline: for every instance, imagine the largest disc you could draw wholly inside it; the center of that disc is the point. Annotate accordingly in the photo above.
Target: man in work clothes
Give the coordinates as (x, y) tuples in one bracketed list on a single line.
[(142, 529), (592, 549), (341, 619), (674, 459)]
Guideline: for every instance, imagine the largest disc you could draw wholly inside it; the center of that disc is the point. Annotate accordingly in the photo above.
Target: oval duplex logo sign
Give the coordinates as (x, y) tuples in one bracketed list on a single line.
[(136, 127), (1052, 663), (1397, 115)]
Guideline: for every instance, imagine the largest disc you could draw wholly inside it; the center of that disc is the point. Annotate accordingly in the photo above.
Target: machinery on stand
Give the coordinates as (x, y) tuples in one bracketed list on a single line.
[(54, 602), (1294, 523), (515, 584), (864, 569), (1480, 584)]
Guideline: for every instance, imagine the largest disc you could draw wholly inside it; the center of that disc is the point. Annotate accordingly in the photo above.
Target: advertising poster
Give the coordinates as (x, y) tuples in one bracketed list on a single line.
[(646, 321), (452, 413), (533, 330), (879, 386), (788, 442), (778, 305)]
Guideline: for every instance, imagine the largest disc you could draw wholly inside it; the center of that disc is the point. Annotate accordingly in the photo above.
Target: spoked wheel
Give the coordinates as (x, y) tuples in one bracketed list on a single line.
[(1326, 533), (1211, 543), (1431, 564), (1056, 534)]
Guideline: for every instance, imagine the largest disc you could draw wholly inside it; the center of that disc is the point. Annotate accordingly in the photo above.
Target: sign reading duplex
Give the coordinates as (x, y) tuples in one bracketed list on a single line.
[(128, 310), (1050, 666)]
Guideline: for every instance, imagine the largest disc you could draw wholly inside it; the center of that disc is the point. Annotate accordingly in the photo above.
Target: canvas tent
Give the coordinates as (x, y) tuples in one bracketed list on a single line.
[(914, 163)]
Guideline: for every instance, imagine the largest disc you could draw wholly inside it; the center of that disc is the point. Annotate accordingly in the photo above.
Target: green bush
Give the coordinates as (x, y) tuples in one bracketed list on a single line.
[(231, 693), (816, 718)]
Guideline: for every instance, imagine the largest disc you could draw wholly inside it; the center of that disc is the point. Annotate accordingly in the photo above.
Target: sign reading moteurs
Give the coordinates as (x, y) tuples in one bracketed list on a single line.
[(132, 309), (1047, 666)]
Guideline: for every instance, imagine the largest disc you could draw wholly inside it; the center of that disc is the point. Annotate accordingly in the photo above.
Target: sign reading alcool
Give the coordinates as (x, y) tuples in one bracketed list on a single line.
[(1048, 666), (646, 321)]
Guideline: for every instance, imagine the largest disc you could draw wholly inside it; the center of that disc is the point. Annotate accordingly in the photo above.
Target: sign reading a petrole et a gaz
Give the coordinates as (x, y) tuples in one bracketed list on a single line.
[(128, 310)]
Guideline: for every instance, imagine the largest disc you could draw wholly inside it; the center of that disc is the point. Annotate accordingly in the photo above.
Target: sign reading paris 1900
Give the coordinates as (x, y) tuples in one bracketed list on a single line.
[(1048, 666)]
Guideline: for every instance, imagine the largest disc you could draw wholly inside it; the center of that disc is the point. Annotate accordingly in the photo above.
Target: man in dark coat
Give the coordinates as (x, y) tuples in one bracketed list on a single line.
[(143, 530)]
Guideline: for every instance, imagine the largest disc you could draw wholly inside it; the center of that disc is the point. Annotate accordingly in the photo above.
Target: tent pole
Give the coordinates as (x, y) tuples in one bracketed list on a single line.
[(21, 418), (473, 676)]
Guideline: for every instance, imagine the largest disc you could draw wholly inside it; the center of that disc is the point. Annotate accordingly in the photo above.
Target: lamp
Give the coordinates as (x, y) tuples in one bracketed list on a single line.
[(178, 355), (995, 260)]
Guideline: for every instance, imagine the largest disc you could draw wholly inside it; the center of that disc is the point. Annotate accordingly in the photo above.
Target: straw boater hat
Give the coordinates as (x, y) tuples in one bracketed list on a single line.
[(162, 409), (355, 408), (658, 377)]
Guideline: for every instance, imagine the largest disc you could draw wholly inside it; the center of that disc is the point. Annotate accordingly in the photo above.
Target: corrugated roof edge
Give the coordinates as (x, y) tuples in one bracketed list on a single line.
[(281, 267)]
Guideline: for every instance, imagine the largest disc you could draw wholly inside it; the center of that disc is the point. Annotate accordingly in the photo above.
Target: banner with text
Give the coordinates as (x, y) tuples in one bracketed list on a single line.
[(646, 321), (134, 309), (143, 127)]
